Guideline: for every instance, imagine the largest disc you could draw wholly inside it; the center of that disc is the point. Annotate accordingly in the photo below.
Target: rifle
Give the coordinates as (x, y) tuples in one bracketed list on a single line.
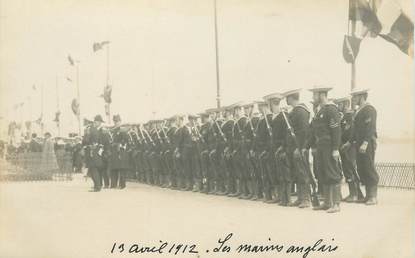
[(267, 123), (359, 191), (314, 197), (252, 127), (198, 134), (220, 131), (142, 135), (164, 132), (149, 137)]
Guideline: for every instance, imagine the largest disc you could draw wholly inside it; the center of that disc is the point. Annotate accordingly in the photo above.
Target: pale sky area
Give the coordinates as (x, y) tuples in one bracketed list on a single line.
[(264, 47)]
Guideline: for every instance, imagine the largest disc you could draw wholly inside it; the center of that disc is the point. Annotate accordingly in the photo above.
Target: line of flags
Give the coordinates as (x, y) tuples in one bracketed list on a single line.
[(384, 18)]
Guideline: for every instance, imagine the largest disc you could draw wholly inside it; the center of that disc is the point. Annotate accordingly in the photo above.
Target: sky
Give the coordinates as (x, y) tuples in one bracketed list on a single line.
[(162, 58)]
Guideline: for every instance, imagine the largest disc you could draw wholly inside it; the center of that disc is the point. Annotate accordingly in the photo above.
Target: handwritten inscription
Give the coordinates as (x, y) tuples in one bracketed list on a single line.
[(226, 245)]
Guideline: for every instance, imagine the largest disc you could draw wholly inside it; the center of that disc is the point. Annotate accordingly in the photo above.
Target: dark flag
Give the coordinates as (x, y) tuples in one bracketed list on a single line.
[(57, 116), (68, 79), (98, 45), (107, 94), (399, 32), (351, 46), (71, 62), (384, 18), (75, 107)]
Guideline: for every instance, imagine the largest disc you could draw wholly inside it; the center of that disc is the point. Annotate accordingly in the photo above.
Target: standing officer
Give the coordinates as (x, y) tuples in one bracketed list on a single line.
[(184, 153), (195, 169), (227, 129), (298, 118), (215, 144), (365, 138), (97, 143), (171, 142), (251, 140), (119, 159), (327, 133), (207, 142), (264, 150), (348, 155), (217, 155), (277, 159), (241, 151)]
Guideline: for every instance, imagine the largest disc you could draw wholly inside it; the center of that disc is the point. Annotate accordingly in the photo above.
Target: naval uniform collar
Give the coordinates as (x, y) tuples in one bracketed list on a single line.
[(301, 105), (362, 107)]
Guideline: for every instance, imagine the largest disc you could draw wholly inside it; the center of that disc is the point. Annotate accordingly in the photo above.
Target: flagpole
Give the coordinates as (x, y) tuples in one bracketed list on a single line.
[(107, 81), (353, 64), (79, 99), (217, 58), (57, 107), (41, 110)]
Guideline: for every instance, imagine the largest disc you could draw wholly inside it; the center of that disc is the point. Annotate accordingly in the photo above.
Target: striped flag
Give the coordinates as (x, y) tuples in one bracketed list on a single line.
[(396, 24), (385, 18)]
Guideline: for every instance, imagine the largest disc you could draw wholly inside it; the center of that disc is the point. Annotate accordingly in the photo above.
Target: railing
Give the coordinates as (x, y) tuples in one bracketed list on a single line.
[(396, 175), (29, 167)]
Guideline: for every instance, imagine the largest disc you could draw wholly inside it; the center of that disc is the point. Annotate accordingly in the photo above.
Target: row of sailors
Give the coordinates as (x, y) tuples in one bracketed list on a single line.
[(254, 150)]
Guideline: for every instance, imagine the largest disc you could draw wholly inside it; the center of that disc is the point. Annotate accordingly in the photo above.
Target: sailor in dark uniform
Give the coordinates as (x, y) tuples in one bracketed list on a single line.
[(299, 118), (348, 154), (241, 151), (365, 140), (277, 161), (327, 133), (265, 154)]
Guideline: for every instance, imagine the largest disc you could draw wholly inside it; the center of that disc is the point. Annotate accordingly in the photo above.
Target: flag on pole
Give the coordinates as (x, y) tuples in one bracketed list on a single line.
[(98, 45), (75, 106), (57, 116), (107, 94), (68, 79), (71, 61), (33, 87), (351, 46), (396, 24), (384, 18)]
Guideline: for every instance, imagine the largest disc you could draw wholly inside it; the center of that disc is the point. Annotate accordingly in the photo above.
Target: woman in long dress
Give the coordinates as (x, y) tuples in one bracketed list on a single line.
[(49, 163)]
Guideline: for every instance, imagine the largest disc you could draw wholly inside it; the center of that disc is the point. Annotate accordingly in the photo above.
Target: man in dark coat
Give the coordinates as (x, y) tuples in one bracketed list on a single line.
[(97, 143), (277, 160), (264, 150), (34, 145), (348, 155), (365, 140), (231, 188), (327, 133), (207, 143), (119, 159), (241, 151), (250, 132), (298, 118)]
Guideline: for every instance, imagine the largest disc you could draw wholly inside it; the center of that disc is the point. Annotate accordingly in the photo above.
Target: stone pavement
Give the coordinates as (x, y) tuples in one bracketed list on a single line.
[(63, 219)]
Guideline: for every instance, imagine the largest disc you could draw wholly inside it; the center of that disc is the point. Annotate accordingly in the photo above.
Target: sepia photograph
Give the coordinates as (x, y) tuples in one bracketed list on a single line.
[(207, 128)]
